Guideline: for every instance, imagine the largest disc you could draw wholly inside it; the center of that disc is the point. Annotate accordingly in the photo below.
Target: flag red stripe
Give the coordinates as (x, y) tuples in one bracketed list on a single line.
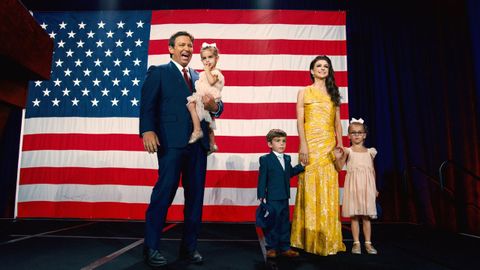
[(276, 78), (134, 211), (127, 176), (137, 177), (266, 110), (248, 17), (242, 46), (125, 142)]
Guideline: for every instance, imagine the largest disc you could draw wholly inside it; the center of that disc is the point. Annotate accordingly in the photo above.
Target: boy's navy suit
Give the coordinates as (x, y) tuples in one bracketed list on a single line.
[(274, 186)]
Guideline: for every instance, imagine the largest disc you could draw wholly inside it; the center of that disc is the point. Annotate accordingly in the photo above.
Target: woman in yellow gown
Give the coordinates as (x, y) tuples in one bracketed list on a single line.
[(316, 226)]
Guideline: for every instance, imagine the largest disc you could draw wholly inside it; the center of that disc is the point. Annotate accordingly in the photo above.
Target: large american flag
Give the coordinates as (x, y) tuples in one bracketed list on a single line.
[(81, 154)]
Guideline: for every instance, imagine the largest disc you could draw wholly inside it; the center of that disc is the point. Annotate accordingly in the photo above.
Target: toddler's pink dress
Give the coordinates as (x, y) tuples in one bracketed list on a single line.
[(203, 87), (359, 189)]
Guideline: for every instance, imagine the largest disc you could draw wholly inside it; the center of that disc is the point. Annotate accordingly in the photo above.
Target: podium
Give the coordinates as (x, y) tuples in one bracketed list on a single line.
[(25, 54)]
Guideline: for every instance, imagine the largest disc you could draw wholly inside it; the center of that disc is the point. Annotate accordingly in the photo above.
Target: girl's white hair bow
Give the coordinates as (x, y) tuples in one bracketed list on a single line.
[(206, 45), (360, 121)]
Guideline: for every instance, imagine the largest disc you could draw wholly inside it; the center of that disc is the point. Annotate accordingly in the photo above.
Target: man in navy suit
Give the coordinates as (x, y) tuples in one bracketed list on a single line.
[(165, 126), (274, 186)]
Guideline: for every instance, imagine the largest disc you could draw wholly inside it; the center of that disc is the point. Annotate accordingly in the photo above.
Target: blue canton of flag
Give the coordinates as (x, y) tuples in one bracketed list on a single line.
[(99, 63)]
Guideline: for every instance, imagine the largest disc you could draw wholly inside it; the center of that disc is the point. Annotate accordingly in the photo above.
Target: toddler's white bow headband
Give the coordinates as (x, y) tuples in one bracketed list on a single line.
[(206, 45), (360, 121)]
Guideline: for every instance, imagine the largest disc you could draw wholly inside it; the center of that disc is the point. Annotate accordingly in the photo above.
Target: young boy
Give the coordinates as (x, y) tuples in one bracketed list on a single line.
[(274, 186)]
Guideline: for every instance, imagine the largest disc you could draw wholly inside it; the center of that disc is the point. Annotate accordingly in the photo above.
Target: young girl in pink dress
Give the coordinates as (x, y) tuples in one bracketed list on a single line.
[(359, 190), (211, 82)]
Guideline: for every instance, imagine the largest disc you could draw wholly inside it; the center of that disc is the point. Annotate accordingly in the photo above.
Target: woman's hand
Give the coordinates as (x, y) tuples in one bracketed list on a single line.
[(338, 152), (303, 154)]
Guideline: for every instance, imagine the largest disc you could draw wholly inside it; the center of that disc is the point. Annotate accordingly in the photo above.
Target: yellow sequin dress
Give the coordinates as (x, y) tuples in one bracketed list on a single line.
[(316, 226)]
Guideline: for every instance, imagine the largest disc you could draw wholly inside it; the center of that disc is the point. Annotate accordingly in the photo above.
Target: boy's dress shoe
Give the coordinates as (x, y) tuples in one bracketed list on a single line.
[(154, 258), (192, 257), (290, 253), (271, 253)]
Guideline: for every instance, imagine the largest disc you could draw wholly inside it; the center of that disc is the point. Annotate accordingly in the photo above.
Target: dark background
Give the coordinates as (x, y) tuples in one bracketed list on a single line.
[(414, 70)]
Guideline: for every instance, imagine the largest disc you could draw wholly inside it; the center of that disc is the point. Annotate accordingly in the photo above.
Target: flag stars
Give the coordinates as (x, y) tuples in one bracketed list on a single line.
[(129, 33), (44, 25), (61, 44), (126, 72), (69, 53), (86, 72), (66, 92), (106, 72), (85, 92), (63, 25), (116, 82), (78, 63), (81, 25), (125, 91), (118, 43), (134, 102), (97, 62), (128, 52), (36, 102), (135, 81), (46, 92), (138, 43), (80, 44), (38, 83), (140, 24), (71, 34), (75, 102), (96, 82), (59, 63), (99, 43), (120, 24), (108, 53), (114, 102), (55, 102), (110, 34), (88, 53), (101, 24), (90, 34), (137, 62), (76, 82), (117, 62), (105, 92), (67, 72), (52, 34), (94, 102), (57, 82)]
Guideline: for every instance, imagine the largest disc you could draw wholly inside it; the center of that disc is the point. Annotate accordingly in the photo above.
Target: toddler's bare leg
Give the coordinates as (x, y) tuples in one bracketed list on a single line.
[(197, 130)]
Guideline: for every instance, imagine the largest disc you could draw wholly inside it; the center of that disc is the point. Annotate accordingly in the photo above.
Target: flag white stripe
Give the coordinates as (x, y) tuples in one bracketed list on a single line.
[(135, 194), (252, 31), (133, 159), (225, 127), (267, 62), (267, 94)]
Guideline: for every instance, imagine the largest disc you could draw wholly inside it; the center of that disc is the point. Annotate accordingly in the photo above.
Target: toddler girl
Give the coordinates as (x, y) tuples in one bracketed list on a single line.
[(359, 191), (211, 81)]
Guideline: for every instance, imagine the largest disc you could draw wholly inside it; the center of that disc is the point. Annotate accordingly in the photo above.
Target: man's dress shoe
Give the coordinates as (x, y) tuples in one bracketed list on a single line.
[(154, 258), (192, 257)]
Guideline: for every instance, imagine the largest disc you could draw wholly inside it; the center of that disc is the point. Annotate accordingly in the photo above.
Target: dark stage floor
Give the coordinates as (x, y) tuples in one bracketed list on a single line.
[(53, 244)]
